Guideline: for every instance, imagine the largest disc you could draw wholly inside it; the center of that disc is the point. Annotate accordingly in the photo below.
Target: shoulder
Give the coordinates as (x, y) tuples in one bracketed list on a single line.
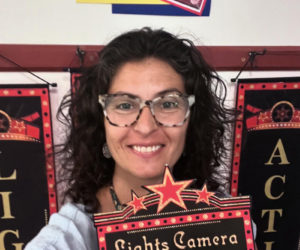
[(70, 228)]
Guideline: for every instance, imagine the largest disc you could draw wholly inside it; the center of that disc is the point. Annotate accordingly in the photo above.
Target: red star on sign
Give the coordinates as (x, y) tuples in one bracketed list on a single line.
[(203, 195), (169, 191), (136, 203)]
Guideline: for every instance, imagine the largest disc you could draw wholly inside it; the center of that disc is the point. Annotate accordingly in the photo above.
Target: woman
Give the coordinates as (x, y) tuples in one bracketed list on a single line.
[(151, 100)]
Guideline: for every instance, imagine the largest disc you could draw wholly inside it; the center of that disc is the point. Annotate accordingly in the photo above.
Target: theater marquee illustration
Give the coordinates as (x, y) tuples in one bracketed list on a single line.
[(266, 162), (174, 217), (27, 181)]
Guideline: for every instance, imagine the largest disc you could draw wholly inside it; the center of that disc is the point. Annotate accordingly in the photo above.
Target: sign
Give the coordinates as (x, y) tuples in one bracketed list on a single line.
[(194, 6), (27, 180), (157, 7), (173, 217), (123, 1), (266, 163), (174, 8)]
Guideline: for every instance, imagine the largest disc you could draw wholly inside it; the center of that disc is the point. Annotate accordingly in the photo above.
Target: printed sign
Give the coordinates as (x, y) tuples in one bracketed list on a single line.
[(175, 8), (123, 1), (194, 6), (173, 217), (157, 7)]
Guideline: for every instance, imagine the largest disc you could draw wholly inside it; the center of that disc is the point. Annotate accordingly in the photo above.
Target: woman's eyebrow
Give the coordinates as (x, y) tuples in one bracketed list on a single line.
[(167, 91), (125, 93), (160, 93)]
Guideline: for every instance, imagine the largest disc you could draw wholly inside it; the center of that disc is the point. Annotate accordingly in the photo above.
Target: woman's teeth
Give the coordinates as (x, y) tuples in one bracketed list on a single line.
[(148, 149)]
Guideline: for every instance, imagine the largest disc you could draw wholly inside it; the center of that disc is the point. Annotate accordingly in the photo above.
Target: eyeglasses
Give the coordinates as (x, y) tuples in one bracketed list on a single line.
[(123, 110)]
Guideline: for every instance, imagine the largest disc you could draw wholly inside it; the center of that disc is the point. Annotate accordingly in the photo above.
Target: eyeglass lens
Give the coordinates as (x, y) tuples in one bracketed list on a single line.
[(168, 110)]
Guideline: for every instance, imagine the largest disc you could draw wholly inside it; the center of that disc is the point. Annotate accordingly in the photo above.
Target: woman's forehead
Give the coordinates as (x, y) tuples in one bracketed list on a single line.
[(147, 78)]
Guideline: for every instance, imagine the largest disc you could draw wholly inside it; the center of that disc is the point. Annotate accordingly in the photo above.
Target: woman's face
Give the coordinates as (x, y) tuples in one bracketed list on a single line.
[(141, 151)]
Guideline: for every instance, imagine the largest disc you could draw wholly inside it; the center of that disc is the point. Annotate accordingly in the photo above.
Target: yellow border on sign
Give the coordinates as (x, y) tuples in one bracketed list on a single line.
[(123, 1)]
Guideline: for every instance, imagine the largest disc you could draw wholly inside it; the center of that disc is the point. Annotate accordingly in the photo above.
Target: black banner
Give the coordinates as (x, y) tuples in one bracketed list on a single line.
[(27, 180), (266, 162)]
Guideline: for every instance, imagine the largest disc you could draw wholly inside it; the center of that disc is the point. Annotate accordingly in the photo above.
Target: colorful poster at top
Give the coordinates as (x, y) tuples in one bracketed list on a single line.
[(123, 1), (157, 7), (178, 9)]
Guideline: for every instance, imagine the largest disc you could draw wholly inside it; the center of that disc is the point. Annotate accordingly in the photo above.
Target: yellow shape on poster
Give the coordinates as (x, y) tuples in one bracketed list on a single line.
[(123, 1)]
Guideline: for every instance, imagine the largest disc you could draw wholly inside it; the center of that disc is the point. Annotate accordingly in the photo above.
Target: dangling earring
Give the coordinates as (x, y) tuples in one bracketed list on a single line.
[(105, 151)]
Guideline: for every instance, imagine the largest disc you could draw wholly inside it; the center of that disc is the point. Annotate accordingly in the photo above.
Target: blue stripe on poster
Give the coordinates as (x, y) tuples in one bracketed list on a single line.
[(156, 9)]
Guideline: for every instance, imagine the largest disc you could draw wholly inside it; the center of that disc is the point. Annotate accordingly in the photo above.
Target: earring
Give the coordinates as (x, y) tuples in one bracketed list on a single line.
[(105, 151)]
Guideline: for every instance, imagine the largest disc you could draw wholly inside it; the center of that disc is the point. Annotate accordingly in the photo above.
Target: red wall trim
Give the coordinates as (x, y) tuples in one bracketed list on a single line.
[(46, 57), (63, 57)]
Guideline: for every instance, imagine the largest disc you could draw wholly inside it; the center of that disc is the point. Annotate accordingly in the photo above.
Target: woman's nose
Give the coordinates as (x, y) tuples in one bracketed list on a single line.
[(146, 122)]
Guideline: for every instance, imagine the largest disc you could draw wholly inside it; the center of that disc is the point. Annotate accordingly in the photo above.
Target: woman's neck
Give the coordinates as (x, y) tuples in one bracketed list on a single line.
[(124, 188), (111, 198)]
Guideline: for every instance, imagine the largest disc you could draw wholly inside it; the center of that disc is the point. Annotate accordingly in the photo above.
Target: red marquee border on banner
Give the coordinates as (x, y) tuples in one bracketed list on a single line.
[(43, 93), (239, 123)]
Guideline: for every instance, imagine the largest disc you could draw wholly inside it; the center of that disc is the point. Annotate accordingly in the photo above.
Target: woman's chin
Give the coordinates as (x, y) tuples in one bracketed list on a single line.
[(150, 177)]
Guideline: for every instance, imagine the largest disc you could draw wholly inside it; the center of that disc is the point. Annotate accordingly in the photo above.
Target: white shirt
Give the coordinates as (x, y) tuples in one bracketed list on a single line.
[(71, 228)]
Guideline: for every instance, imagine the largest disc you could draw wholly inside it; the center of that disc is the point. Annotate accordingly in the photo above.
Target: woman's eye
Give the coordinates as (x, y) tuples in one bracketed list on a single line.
[(124, 106), (169, 105)]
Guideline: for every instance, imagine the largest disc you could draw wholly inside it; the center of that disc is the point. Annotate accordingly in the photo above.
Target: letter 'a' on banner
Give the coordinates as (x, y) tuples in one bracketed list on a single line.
[(266, 162), (27, 177)]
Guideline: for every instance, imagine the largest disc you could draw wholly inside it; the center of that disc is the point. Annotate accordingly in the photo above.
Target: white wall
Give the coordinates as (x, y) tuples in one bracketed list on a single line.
[(231, 22)]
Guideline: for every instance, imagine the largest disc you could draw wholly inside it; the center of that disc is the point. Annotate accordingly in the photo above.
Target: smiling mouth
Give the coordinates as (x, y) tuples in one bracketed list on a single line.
[(146, 149)]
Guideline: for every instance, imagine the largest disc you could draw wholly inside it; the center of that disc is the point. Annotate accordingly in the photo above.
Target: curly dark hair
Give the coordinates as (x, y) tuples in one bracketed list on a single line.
[(205, 150)]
